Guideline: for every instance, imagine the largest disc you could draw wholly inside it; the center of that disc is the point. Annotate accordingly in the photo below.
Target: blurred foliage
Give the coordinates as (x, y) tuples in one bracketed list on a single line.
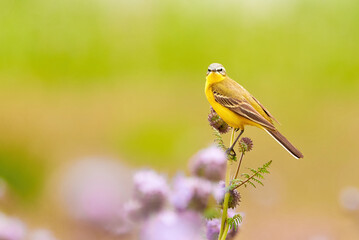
[(23, 172), (84, 41), (126, 78)]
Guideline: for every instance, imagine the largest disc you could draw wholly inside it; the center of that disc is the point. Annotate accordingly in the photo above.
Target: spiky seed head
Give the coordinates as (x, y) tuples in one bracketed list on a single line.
[(217, 122), (220, 190), (234, 199), (245, 144)]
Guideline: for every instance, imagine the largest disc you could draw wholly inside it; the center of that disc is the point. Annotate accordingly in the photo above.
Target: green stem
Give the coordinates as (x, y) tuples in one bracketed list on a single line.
[(224, 236), (226, 196)]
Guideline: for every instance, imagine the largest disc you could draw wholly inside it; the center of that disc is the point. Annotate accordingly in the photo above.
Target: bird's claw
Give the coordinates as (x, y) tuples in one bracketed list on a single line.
[(230, 152)]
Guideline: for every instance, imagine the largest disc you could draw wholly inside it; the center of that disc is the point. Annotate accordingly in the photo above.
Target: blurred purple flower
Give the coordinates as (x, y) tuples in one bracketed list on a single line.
[(41, 234), (209, 163), (214, 226), (95, 189), (191, 193), (11, 228), (151, 190), (133, 210), (232, 232), (219, 191), (349, 198), (175, 226)]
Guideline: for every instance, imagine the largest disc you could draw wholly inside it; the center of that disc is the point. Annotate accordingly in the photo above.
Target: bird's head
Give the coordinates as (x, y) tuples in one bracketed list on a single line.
[(216, 73)]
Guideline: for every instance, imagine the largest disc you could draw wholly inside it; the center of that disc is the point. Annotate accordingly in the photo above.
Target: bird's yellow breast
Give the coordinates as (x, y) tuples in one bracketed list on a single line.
[(231, 118)]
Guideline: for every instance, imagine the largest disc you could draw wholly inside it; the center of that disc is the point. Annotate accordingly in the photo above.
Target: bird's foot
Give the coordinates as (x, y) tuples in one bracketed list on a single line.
[(231, 152)]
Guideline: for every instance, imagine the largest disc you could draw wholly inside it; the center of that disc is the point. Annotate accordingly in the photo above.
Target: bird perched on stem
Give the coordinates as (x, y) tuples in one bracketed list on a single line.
[(238, 108)]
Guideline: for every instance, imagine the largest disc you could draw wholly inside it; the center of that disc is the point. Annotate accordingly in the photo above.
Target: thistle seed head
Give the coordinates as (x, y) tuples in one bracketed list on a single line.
[(217, 122), (245, 144)]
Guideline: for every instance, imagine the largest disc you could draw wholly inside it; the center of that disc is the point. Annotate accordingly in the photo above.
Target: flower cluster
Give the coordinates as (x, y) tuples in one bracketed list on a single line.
[(151, 190), (176, 211), (209, 163)]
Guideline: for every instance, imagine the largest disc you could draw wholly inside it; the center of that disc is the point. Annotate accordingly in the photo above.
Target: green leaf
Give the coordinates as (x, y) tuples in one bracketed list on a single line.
[(234, 221)]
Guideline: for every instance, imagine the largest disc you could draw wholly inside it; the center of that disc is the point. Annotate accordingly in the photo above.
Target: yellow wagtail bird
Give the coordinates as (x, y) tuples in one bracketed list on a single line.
[(237, 107)]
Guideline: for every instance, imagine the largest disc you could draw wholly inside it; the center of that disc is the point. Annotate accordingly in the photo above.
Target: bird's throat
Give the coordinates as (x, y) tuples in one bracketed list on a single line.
[(214, 78)]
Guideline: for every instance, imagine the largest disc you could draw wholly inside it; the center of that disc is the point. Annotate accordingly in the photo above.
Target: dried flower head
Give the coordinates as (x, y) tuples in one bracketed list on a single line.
[(234, 198), (220, 190), (151, 190), (209, 163), (217, 122), (191, 193), (245, 144)]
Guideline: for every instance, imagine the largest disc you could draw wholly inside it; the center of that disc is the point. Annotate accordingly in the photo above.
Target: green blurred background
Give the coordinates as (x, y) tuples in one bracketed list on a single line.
[(126, 79)]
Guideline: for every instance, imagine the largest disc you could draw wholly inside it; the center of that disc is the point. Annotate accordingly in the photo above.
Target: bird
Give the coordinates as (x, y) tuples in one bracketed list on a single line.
[(238, 108)]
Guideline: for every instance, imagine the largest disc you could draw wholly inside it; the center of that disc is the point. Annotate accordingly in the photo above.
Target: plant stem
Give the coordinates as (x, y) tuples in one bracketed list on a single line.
[(239, 166), (224, 226), (248, 179), (225, 232)]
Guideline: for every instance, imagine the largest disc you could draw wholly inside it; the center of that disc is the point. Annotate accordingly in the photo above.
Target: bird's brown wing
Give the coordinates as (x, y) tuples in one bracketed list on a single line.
[(265, 110), (243, 108)]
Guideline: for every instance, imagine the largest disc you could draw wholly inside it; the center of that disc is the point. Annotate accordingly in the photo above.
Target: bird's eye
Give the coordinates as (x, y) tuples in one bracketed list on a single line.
[(221, 71)]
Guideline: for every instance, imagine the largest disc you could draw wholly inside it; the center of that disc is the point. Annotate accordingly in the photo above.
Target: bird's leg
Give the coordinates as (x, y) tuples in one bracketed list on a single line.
[(230, 150)]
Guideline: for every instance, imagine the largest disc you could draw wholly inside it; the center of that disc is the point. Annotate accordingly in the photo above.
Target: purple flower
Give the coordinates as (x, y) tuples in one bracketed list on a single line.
[(219, 191), (209, 163), (151, 190), (95, 190), (191, 193), (11, 228), (133, 210), (214, 226), (172, 225), (213, 229)]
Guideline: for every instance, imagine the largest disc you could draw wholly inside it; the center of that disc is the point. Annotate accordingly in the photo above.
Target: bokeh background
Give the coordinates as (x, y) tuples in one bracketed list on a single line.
[(124, 80)]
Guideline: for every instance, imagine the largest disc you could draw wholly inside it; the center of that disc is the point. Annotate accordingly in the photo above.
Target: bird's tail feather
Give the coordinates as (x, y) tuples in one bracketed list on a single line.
[(285, 143)]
